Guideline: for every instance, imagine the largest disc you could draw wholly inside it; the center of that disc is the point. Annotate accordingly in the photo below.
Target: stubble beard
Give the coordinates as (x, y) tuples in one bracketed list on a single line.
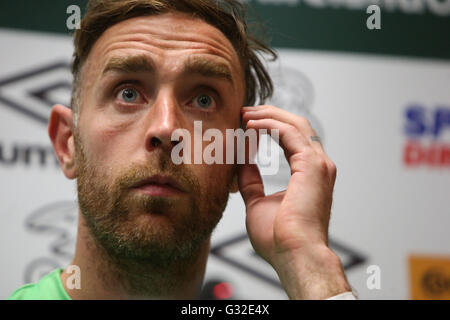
[(115, 216)]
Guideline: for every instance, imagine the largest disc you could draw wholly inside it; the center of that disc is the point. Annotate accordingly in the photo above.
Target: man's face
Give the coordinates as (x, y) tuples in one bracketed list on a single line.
[(144, 78)]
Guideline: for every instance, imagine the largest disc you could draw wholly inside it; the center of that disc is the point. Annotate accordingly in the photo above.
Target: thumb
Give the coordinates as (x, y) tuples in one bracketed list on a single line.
[(250, 183)]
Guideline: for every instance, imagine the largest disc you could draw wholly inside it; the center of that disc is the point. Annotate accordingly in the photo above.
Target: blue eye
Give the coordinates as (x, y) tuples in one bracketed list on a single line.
[(128, 95), (204, 101)]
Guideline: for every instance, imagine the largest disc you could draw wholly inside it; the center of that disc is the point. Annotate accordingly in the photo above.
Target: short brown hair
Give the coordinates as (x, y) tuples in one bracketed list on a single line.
[(226, 15)]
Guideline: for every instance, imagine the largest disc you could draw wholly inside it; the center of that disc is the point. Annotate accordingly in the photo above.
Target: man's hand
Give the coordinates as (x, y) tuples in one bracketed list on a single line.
[(289, 229)]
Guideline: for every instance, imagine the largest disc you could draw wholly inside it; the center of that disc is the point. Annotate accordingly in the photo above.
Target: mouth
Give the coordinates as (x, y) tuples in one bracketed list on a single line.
[(159, 185)]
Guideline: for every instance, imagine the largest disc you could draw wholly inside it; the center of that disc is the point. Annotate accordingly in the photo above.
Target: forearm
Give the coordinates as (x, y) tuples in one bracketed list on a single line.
[(312, 273)]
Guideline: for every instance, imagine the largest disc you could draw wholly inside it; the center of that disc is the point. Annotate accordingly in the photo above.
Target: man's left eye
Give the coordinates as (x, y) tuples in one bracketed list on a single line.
[(128, 95), (203, 101)]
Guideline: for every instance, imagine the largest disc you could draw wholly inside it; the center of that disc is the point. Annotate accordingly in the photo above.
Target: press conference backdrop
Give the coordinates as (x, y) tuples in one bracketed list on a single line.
[(380, 100)]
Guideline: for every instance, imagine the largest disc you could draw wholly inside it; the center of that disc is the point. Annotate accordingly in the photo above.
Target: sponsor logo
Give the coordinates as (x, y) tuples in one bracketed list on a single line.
[(430, 277), (27, 155), (238, 252), (57, 221), (428, 133), (33, 92), (436, 282)]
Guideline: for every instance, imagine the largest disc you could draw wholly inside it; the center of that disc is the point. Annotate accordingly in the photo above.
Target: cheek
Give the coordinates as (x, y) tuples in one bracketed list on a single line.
[(107, 143), (213, 178)]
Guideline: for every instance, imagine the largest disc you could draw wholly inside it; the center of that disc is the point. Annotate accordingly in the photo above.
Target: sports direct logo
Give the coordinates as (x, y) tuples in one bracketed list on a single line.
[(428, 132), (234, 143)]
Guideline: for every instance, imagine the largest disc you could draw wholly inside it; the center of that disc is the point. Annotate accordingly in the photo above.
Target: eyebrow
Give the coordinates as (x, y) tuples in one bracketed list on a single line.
[(130, 64), (208, 68), (193, 65)]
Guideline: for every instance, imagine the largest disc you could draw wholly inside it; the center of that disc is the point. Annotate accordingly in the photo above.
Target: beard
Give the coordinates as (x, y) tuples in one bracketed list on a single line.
[(141, 229)]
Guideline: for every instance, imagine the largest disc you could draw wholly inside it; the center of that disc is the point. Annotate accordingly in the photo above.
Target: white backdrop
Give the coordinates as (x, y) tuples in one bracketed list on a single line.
[(383, 210)]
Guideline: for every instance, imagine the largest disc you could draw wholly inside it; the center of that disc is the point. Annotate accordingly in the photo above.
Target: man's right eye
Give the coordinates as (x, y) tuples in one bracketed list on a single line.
[(128, 95)]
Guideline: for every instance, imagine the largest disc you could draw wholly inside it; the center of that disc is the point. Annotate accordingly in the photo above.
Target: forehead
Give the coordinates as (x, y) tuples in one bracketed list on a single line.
[(165, 38)]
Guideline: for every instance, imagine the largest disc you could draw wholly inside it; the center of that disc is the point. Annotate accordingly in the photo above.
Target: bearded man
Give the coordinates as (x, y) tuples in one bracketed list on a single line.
[(142, 69)]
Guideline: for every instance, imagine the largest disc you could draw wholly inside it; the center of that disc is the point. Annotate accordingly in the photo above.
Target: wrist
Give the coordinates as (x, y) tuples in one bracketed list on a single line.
[(311, 273)]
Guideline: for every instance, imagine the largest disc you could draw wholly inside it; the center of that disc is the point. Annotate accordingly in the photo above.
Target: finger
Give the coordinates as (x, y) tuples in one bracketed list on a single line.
[(290, 139), (271, 112), (297, 150), (250, 183)]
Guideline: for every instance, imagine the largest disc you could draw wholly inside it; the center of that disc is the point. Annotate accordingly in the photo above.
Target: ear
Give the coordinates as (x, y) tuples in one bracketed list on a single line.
[(60, 130)]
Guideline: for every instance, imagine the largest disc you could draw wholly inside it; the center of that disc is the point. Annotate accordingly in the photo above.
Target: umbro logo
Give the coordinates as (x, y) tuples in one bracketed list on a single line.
[(33, 92)]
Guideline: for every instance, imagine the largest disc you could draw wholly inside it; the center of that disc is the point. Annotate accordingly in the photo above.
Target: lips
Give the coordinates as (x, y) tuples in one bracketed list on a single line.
[(161, 182)]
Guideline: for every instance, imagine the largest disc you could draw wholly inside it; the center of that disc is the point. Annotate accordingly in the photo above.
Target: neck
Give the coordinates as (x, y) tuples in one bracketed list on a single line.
[(107, 277)]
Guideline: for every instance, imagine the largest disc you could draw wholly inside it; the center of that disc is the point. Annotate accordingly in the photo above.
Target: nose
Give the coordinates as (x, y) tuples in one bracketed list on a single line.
[(164, 117)]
